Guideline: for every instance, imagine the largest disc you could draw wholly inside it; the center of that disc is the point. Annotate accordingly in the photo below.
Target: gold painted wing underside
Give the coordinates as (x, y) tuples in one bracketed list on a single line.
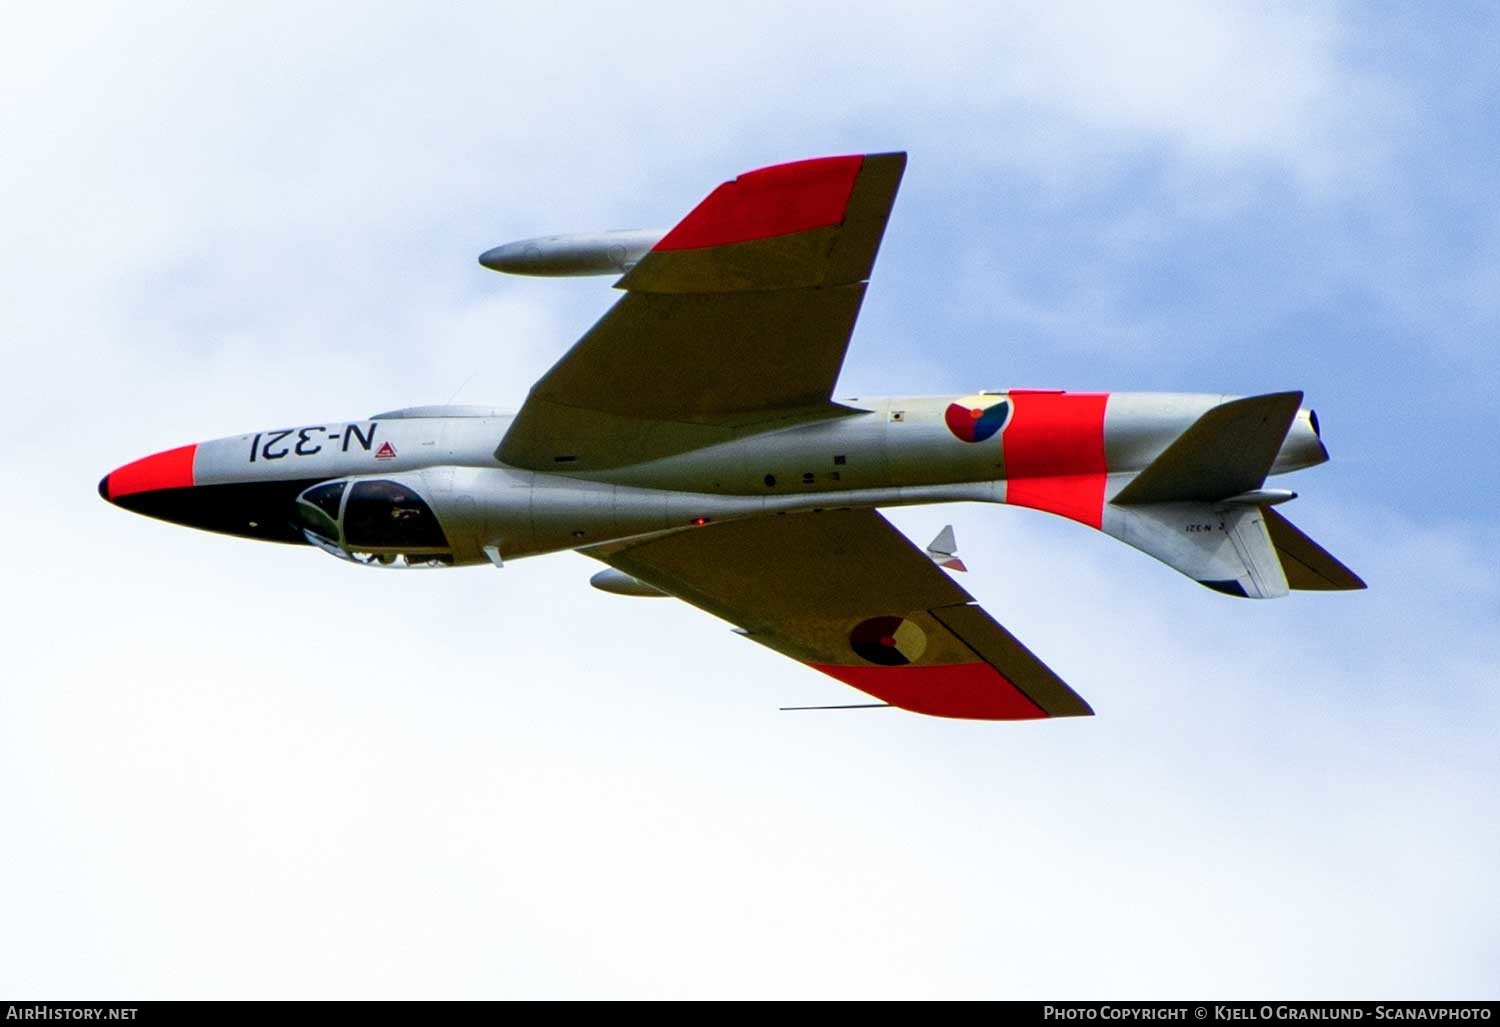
[(803, 584), (711, 339)]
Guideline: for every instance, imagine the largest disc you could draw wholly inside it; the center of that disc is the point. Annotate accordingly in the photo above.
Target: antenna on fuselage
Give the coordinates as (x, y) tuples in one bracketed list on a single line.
[(462, 386)]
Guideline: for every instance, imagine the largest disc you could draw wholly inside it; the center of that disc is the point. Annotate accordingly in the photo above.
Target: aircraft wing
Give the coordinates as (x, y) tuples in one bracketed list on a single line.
[(847, 594), (740, 315)]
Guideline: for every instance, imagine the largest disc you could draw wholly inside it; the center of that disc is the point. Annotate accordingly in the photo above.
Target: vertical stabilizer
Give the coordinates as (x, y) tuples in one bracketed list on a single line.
[(1229, 549)]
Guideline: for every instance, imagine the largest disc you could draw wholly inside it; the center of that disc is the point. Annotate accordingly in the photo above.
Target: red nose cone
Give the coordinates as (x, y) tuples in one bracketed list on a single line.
[(170, 470)]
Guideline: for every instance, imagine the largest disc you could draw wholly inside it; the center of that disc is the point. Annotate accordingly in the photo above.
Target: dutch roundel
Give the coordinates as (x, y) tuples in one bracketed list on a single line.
[(977, 418)]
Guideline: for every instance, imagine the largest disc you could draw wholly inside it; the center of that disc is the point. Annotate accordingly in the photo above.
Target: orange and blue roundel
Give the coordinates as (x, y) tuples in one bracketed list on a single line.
[(977, 418)]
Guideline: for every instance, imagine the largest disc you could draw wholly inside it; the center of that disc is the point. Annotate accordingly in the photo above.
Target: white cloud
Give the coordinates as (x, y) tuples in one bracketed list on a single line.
[(1228, 83)]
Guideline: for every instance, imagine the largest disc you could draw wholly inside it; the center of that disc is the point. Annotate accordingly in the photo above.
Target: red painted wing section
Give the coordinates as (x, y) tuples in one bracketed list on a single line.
[(778, 200), (1054, 454), (971, 691), (170, 470)]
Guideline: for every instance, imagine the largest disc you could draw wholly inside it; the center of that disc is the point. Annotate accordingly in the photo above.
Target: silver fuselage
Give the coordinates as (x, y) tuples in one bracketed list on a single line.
[(882, 453)]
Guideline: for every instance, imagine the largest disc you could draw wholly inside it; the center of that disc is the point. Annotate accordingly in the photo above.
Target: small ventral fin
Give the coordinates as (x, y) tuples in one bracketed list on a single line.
[(943, 550)]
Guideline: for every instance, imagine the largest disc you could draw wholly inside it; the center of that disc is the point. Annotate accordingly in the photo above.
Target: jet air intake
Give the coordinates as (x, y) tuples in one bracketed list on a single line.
[(567, 256)]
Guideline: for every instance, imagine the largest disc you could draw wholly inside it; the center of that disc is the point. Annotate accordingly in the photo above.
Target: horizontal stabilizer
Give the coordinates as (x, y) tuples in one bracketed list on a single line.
[(1308, 566), (1226, 452)]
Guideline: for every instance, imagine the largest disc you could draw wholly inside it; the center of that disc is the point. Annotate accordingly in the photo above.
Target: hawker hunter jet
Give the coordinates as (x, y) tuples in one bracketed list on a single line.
[(691, 441)]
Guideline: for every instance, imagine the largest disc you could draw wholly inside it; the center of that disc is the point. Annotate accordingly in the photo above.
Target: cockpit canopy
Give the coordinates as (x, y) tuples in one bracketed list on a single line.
[(376, 522)]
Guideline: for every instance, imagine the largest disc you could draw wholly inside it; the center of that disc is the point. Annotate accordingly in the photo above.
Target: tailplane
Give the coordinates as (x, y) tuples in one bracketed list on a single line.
[(1201, 506), (1226, 452), (1308, 566)]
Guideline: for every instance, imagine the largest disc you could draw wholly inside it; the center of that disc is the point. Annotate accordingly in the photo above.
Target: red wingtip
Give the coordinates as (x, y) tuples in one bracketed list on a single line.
[(170, 470), (971, 691), (777, 200)]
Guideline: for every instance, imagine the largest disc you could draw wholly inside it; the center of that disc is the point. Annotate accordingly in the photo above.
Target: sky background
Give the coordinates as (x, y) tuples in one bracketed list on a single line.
[(229, 769)]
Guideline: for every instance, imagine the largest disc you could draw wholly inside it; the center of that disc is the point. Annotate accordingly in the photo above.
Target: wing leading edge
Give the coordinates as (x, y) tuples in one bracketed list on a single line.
[(845, 593), (739, 315)]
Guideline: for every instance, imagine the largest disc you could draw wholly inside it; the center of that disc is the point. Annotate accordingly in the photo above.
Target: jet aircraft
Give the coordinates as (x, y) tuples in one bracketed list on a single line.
[(691, 441)]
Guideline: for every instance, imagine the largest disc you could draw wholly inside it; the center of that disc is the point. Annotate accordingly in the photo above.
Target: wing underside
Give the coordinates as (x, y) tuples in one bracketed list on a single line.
[(739, 316), (845, 593)]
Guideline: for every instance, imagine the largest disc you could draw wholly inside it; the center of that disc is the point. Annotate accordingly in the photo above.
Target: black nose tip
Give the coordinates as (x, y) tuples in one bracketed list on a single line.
[(104, 488)]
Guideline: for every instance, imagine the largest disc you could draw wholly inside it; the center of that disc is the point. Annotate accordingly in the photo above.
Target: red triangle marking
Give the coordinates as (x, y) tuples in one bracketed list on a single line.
[(385, 452)]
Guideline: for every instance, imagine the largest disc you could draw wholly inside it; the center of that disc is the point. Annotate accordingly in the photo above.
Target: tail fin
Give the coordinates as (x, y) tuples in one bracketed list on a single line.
[(1200, 507), (1227, 548)]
